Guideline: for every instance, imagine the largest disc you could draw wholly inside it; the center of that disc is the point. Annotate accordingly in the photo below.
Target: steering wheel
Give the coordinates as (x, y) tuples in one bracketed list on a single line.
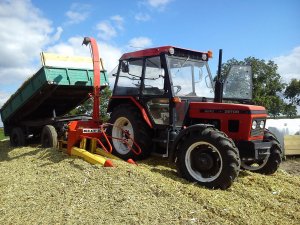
[(178, 89)]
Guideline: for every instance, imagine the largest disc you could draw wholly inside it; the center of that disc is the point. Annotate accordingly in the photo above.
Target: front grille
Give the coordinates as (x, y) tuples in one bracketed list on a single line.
[(258, 131)]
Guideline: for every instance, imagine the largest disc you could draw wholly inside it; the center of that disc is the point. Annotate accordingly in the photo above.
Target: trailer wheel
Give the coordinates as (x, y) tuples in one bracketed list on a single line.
[(17, 137), (207, 156), (49, 137), (129, 119), (271, 163)]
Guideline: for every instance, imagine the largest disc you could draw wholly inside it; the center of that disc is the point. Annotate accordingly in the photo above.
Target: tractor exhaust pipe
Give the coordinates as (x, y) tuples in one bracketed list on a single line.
[(219, 82)]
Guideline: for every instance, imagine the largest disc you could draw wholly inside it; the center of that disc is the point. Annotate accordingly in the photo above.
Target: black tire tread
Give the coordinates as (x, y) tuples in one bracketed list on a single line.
[(49, 132), (19, 134), (275, 155), (225, 145)]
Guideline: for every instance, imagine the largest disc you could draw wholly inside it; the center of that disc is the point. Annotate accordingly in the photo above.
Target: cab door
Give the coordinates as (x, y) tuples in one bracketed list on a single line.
[(155, 91)]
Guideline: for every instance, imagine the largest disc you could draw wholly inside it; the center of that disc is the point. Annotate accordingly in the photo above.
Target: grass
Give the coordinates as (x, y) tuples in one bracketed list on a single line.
[(2, 134), (45, 186)]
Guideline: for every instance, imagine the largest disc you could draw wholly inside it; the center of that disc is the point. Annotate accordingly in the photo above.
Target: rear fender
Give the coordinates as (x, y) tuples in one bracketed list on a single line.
[(182, 133), (115, 101)]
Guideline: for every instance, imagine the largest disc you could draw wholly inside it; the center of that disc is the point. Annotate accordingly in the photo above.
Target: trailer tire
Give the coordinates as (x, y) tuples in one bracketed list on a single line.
[(17, 137), (129, 119), (207, 156), (49, 137)]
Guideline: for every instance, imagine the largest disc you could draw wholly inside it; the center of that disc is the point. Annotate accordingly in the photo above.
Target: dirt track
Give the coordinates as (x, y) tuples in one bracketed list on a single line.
[(291, 165)]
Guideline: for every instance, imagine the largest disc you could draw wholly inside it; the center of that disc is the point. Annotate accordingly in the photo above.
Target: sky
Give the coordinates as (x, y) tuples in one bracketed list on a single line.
[(265, 29)]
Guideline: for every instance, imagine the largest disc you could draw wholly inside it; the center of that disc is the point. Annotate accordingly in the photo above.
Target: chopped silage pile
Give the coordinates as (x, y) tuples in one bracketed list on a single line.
[(45, 186)]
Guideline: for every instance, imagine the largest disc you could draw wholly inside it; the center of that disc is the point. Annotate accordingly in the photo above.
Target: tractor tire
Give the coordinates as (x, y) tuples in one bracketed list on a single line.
[(49, 137), (207, 156), (130, 120), (271, 163), (17, 137)]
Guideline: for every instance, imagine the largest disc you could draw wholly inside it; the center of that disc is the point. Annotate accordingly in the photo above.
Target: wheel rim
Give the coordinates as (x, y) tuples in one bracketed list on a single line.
[(203, 161), (253, 166), (120, 137)]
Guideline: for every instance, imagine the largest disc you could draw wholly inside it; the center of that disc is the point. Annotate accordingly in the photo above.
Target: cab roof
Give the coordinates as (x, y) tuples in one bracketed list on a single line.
[(157, 51)]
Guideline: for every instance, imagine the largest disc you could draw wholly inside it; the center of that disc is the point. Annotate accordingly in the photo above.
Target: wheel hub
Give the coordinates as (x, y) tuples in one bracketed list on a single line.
[(202, 162), (123, 133)]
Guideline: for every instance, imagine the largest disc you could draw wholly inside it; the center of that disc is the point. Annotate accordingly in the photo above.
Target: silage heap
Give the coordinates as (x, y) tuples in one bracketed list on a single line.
[(46, 186)]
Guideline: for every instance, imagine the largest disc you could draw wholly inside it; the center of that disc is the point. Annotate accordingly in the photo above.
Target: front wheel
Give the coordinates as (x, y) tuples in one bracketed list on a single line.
[(208, 157), (271, 162)]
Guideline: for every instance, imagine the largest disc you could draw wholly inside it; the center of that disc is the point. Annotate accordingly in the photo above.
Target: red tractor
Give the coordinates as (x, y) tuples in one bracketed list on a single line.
[(166, 100)]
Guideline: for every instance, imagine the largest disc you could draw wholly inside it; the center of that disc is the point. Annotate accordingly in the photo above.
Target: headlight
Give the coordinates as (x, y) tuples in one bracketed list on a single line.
[(254, 123), (204, 57), (262, 124)]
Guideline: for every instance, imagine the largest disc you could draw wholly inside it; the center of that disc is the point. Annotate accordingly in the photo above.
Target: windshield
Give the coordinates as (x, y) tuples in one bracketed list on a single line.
[(191, 78), (238, 83)]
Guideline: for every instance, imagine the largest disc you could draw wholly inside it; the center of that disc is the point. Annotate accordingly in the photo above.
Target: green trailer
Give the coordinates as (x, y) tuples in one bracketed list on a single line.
[(44, 100)]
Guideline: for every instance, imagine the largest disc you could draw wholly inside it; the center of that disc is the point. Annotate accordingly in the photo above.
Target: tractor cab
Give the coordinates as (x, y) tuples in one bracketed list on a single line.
[(164, 79)]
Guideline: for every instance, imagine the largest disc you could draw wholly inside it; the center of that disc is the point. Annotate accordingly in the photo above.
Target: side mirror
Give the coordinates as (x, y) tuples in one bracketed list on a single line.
[(125, 67)]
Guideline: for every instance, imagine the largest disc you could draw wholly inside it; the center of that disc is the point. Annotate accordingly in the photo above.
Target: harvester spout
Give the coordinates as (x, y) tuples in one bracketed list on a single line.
[(96, 68)]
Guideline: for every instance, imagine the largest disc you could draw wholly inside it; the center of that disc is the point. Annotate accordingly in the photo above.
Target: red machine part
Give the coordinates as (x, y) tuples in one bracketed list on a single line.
[(95, 129), (96, 66), (225, 112)]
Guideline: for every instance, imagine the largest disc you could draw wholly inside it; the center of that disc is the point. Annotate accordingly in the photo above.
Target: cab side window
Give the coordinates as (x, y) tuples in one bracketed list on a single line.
[(130, 77), (154, 77)]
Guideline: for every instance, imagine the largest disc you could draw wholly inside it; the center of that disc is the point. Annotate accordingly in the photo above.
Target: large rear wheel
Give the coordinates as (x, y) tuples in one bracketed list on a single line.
[(208, 157), (128, 126)]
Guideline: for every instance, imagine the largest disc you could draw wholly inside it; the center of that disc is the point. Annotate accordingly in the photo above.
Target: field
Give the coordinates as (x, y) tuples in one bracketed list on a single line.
[(1, 134), (45, 186)]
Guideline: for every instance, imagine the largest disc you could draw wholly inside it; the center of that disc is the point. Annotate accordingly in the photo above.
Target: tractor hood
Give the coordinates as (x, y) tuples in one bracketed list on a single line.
[(225, 108), (234, 119)]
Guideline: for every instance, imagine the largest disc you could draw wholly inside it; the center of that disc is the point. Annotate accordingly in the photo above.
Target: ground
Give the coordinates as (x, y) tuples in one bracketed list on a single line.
[(291, 165), (45, 186)]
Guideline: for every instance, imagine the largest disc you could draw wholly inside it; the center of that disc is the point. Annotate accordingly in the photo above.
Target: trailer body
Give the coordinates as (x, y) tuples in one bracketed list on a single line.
[(47, 96)]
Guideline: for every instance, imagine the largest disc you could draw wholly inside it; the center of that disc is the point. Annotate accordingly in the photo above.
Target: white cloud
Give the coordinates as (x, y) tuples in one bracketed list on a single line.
[(118, 21), (140, 42), (142, 17), (158, 4), (22, 36), (3, 97), (78, 13), (288, 65), (105, 30), (57, 35), (72, 47)]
